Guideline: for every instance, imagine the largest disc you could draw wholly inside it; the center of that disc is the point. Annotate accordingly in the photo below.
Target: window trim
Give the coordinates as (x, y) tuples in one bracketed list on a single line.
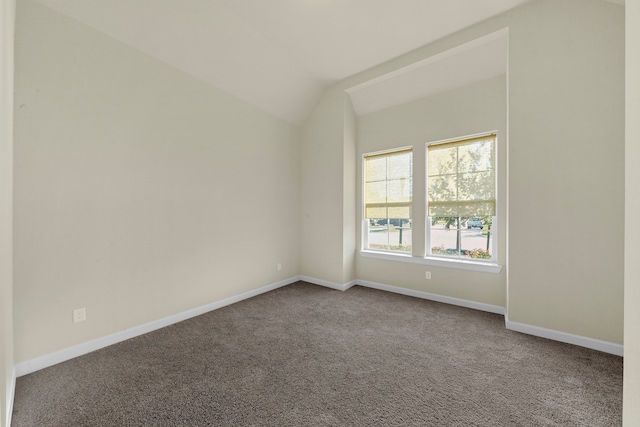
[(456, 263), (364, 241), (496, 219), (486, 266)]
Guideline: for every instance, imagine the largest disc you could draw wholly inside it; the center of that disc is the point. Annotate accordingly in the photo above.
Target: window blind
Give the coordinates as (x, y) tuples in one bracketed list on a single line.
[(461, 178), (388, 185)]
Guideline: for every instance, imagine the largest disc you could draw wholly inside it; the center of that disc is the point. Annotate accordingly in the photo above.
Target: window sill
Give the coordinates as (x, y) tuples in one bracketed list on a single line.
[(484, 267)]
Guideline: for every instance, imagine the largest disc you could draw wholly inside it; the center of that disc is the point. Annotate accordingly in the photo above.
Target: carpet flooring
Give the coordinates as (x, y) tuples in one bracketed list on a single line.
[(303, 355)]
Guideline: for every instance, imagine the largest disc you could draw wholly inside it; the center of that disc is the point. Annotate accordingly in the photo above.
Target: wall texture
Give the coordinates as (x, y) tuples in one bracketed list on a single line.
[(566, 186), (349, 199), (631, 416), (140, 192), (7, 15), (324, 226)]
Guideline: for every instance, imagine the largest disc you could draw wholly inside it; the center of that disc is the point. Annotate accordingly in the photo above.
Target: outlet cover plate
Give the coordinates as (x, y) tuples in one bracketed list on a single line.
[(79, 315)]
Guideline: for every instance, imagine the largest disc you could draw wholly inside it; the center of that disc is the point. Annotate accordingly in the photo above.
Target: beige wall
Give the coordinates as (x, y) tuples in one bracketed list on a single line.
[(140, 192), (632, 231), (566, 163), (328, 182), (7, 13), (349, 185), (323, 227), (566, 197), (472, 109)]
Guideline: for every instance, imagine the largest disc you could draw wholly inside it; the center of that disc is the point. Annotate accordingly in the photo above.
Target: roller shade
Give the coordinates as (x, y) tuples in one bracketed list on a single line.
[(461, 178), (388, 185)]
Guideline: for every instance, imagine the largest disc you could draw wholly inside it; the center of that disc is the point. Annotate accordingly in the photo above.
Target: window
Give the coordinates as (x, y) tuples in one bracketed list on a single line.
[(387, 198), (457, 207), (461, 198)]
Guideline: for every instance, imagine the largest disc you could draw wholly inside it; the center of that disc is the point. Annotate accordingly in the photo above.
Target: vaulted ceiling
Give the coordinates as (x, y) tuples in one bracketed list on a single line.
[(280, 54)]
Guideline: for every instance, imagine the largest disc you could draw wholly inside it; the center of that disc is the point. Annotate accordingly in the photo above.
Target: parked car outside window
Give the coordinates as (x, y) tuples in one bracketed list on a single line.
[(475, 223)]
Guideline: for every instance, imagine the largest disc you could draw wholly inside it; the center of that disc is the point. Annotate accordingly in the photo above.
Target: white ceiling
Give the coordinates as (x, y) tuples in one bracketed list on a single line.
[(279, 54), (471, 62)]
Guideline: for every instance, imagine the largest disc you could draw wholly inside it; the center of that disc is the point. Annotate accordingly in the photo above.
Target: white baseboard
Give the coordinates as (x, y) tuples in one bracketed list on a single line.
[(433, 297), (33, 365), (328, 284), (594, 344), (10, 397)]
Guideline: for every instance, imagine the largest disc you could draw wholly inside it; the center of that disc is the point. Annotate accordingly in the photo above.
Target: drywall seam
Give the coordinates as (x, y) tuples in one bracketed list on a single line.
[(29, 366)]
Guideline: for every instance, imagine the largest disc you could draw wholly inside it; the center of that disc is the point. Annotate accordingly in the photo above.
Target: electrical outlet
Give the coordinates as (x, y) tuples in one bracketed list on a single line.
[(279, 266), (427, 275), (79, 315)]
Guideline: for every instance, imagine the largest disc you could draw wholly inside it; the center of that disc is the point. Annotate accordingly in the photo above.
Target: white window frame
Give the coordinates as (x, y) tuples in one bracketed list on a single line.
[(494, 219), (365, 220), (456, 263), (470, 264)]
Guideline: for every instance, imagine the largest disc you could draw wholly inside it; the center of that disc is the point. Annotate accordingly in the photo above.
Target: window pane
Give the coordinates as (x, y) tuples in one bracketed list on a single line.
[(376, 192), (444, 235), (461, 177), (443, 188), (442, 161), (399, 190), (400, 166), (463, 237), (478, 240), (393, 234), (400, 234), (378, 233), (476, 157), (387, 200), (479, 186), (376, 169), (448, 222), (475, 243)]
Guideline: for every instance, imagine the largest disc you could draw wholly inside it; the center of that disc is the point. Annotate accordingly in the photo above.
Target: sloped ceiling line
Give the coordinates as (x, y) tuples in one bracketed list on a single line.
[(278, 55), (471, 62)]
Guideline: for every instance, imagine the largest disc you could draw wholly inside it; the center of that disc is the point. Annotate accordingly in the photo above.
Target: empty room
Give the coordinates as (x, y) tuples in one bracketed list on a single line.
[(320, 212)]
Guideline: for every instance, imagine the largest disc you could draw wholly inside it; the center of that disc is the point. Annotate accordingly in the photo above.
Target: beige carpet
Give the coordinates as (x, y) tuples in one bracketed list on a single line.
[(304, 355)]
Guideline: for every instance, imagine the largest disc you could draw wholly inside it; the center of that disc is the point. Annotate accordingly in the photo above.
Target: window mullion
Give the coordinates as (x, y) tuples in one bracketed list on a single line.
[(387, 200), (459, 175)]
